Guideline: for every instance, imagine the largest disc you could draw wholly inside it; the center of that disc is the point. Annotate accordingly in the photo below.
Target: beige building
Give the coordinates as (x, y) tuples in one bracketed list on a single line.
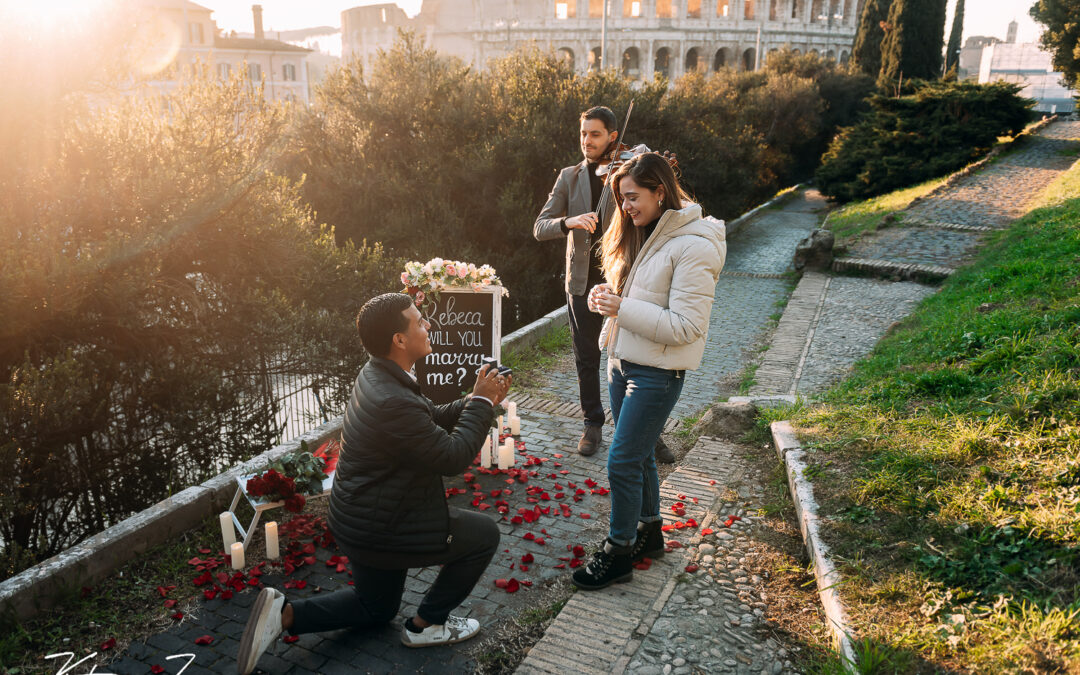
[(178, 36), (643, 37)]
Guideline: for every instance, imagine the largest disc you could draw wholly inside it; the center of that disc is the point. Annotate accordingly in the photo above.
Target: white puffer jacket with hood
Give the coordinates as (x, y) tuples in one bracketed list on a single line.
[(667, 299)]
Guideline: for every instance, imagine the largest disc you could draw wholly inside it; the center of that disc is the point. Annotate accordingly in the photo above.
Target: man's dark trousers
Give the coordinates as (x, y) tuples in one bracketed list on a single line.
[(585, 329), (379, 580)]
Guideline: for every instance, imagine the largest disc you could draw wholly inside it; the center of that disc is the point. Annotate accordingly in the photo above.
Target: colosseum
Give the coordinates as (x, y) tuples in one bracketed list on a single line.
[(645, 37)]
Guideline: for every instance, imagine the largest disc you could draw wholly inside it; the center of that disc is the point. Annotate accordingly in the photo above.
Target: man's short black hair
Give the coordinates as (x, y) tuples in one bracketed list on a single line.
[(379, 319), (604, 114)]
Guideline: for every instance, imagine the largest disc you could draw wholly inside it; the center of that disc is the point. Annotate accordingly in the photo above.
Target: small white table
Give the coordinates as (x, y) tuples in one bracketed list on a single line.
[(260, 506)]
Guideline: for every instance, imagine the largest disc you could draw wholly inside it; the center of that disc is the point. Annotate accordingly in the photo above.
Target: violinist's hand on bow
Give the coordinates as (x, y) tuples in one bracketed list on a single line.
[(586, 221)]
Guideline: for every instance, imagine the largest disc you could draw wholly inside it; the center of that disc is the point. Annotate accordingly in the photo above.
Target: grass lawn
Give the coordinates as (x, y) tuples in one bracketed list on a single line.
[(949, 464), (851, 221)]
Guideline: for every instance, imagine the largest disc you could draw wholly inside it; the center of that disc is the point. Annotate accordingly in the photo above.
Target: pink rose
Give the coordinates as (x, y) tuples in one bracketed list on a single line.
[(405, 278), (420, 297), (451, 271)]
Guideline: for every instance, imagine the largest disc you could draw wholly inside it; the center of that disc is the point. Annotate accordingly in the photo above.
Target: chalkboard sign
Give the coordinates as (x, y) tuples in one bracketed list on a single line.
[(466, 326)]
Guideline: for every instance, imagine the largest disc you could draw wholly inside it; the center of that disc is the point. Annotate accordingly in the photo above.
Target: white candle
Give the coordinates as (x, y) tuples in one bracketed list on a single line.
[(272, 541), (228, 534), (511, 409), (506, 454), (237, 553), (485, 452), (515, 425), (500, 424)]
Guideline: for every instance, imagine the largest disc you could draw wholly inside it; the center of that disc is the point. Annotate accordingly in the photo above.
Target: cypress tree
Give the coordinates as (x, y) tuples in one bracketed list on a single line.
[(866, 54), (952, 52), (913, 41)]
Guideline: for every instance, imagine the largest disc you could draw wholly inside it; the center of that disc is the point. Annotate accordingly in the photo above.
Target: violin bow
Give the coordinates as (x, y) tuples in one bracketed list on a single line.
[(607, 192)]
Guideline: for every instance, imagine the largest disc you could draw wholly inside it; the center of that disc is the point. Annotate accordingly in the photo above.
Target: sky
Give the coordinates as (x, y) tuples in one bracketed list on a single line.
[(981, 17)]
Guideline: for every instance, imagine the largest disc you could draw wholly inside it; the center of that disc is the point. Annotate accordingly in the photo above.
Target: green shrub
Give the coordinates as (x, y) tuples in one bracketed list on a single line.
[(938, 128)]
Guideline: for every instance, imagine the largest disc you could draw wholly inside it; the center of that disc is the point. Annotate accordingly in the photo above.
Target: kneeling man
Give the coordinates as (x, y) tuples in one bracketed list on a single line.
[(388, 508)]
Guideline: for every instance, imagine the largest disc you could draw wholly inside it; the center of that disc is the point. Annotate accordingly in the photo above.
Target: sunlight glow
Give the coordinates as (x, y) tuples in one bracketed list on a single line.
[(46, 15)]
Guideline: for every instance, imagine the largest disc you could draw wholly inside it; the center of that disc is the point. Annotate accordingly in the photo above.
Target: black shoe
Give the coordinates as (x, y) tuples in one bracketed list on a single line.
[(590, 440), (610, 565), (650, 542), (663, 452)]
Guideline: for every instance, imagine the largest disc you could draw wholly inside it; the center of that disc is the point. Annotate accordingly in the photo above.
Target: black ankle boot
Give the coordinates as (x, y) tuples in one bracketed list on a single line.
[(650, 542), (610, 565)]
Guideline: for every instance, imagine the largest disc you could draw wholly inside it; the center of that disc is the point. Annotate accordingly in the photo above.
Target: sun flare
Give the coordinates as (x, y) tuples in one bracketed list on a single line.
[(50, 14)]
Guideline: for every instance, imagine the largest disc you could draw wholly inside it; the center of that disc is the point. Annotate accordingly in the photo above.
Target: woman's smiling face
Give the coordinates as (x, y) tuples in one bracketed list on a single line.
[(640, 203)]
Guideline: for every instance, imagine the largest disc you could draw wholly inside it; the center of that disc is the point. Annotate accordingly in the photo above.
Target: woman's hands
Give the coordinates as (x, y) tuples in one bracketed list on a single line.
[(603, 301)]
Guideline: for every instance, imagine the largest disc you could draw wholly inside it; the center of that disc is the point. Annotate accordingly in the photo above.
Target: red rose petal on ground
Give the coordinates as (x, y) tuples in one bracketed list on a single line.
[(692, 568), (576, 562), (667, 528), (156, 669), (308, 548), (108, 644), (222, 577), (226, 595), (203, 640), (210, 593), (528, 536), (309, 560), (579, 551), (560, 566), (643, 564), (178, 616), (501, 583), (673, 544), (540, 541), (712, 482), (527, 558), (301, 584), (204, 551), (691, 523), (468, 477), (169, 604), (523, 568), (164, 590), (512, 586), (483, 507), (290, 638), (707, 530), (517, 520), (585, 516)]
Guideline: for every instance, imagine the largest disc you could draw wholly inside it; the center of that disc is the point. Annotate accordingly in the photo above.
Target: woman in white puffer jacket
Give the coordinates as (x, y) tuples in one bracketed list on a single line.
[(661, 259)]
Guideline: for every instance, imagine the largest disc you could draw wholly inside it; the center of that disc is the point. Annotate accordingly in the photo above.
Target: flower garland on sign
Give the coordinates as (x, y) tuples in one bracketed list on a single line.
[(424, 281)]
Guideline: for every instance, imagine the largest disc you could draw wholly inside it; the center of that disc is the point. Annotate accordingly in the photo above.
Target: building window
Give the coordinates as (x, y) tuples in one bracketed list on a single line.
[(562, 10), (748, 9), (693, 9), (195, 33), (254, 72), (664, 9), (596, 9), (224, 70), (635, 9)]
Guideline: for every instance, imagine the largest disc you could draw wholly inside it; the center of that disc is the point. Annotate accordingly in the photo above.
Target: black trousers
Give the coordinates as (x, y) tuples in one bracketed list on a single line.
[(585, 330), (379, 580)]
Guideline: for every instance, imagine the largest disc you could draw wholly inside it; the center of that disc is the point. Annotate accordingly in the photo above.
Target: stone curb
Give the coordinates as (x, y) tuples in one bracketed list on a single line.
[(36, 589), (789, 450), (733, 227), (780, 367), (889, 269)]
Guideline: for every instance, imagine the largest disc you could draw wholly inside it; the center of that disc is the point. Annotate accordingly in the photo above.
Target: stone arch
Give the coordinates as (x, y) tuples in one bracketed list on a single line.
[(692, 61), (749, 57), (662, 62), (566, 55), (594, 59), (722, 59), (795, 51), (631, 64), (831, 55), (771, 53), (844, 57)]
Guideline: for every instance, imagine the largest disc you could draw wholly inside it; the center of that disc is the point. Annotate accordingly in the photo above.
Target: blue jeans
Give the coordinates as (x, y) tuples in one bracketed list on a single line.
[(642, 397)]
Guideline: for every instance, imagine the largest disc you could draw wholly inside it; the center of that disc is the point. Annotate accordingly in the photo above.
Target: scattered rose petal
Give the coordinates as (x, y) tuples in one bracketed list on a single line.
[(156, 669), (527, 558), (178, 616), (576, 562), (290, 638), (585, 516), (643, 564), (579, 551), (203, 640), (707, 530), (108, 644), (169, 604), (692, 568)]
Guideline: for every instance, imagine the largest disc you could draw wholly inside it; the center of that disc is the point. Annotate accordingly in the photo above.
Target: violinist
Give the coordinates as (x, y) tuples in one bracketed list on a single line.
[(573, 211)]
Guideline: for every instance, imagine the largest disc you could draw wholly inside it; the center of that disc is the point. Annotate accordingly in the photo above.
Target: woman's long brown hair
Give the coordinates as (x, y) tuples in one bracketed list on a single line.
[(622, 240)]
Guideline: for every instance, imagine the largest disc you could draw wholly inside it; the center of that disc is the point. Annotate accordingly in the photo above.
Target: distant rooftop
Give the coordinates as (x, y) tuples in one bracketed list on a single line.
[(263, 44)]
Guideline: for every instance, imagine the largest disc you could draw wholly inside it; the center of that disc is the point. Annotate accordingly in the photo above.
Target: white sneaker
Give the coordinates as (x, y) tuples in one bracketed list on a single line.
[(263, 627), (454, 630)]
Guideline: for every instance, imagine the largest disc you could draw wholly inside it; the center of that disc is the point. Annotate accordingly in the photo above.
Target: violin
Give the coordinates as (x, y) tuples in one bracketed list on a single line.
[(623, 152)]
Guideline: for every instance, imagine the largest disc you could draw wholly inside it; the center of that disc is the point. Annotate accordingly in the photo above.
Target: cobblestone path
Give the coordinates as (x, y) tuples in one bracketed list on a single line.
[(832, 322), (945, 229)]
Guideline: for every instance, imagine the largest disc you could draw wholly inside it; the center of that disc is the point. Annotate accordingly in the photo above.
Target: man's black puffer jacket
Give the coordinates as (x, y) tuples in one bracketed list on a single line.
[(388, 492)]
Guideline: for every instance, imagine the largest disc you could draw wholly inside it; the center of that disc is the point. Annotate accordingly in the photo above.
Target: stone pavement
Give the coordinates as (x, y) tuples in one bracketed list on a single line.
[(832, 322), (692, 610), (946, 228)]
